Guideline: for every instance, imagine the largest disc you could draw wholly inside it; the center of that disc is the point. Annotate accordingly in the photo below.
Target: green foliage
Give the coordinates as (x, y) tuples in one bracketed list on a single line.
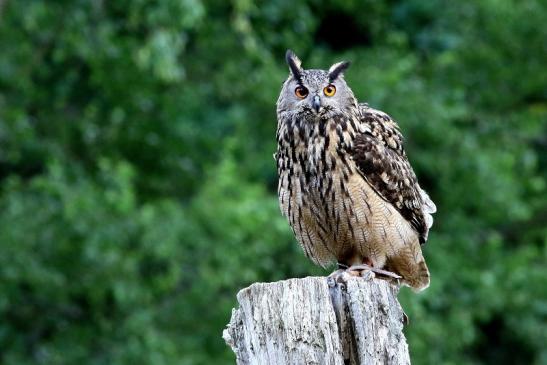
[(138, 187)]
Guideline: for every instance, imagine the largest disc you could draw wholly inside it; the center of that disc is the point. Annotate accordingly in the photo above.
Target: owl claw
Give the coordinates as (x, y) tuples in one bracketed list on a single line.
[(368, 275), (339, 276)]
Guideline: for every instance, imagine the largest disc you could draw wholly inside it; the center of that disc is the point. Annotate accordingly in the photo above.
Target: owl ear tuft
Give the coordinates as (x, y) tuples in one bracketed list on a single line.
[(295, 65), (337, 69)]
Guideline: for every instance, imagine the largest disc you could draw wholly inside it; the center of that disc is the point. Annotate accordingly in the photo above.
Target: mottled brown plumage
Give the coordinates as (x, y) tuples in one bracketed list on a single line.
[(345, 183)]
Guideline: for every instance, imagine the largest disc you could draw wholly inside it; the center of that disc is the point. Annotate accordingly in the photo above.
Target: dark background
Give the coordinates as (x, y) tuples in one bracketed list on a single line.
[(138, 189)]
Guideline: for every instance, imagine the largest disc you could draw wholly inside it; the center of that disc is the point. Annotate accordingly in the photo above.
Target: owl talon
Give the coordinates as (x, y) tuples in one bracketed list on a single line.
[(339, 276), (335, 277), (368, 275)]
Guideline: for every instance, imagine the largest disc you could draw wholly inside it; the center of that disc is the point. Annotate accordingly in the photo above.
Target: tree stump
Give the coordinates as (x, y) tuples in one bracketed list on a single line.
[(316, 320)]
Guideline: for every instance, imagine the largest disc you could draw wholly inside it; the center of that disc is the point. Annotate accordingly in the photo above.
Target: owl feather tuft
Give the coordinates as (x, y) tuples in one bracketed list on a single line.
[(295, 65)]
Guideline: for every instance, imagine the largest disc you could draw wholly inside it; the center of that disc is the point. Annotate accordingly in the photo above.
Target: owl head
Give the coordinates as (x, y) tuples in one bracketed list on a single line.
[(314, 95)]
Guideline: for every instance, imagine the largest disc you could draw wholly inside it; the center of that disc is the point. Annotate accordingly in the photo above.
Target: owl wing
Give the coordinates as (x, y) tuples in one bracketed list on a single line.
[(380, 157)]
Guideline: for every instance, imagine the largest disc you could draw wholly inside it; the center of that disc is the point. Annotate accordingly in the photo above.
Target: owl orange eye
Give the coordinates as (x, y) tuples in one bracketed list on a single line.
[(329, 90), (301, 92)]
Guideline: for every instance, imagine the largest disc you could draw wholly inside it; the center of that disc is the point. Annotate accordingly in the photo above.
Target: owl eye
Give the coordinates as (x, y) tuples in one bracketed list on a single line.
[(301, 92), (329, 90)]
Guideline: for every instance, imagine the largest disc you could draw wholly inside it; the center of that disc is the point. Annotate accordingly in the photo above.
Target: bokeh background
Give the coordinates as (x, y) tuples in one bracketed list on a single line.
[(138, 189)]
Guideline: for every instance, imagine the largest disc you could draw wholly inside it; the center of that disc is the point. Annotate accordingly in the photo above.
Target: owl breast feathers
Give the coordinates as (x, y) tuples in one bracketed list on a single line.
[(345, 183)]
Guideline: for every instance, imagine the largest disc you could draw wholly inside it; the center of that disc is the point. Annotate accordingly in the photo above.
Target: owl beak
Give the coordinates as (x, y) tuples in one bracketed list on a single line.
[(316, 103)]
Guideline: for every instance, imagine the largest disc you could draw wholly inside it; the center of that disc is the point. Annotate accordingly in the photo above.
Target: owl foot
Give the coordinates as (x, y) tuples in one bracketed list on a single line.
[(339, 276), (369, 272), (366, 271), (379, 272)]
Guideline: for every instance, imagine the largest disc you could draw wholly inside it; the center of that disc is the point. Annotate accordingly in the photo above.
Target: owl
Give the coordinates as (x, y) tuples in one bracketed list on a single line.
[(345, 183)]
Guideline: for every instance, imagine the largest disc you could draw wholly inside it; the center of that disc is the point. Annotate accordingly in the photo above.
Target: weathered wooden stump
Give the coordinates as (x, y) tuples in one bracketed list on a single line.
[(315, 320)]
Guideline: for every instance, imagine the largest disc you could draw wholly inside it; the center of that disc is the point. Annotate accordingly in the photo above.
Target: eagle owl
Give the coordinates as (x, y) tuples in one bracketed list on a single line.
[(345, 183)]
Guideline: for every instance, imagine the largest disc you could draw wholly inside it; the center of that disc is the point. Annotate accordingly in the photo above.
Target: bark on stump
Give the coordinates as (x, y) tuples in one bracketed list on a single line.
[(317, 321)]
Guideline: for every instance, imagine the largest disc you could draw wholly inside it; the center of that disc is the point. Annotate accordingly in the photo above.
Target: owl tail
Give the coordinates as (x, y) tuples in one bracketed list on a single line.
[(410, 264)]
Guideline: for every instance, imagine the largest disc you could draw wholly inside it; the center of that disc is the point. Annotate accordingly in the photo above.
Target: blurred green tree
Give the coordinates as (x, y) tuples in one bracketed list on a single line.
[(138, 187)]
